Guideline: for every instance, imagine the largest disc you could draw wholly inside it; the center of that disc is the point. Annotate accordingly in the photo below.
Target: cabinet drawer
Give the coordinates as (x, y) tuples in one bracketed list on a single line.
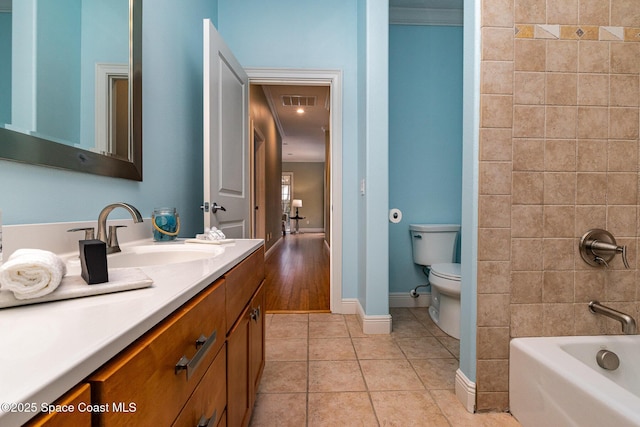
[(79, 398), (146, 373), (210, 397), (242, 282)]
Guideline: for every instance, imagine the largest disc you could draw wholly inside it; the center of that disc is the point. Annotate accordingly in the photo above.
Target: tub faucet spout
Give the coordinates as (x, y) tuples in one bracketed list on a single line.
[(627, 322), (112, 239)]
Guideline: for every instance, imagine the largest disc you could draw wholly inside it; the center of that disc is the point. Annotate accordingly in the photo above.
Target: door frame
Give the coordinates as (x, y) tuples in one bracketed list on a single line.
[(333, 79), (257, 150)]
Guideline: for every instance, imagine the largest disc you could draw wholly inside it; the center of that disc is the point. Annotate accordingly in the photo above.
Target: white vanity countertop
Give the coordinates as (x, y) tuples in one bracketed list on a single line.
[(48, 348)]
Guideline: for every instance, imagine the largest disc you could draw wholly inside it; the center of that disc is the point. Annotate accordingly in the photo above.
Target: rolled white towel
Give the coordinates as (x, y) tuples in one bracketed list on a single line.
[(32, 273)]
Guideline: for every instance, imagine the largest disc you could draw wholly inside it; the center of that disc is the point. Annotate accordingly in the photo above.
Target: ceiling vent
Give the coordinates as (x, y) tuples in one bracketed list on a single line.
[(298, 101)]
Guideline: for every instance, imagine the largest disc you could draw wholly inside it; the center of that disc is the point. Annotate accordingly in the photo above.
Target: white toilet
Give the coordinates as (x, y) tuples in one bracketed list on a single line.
[(434, 246)]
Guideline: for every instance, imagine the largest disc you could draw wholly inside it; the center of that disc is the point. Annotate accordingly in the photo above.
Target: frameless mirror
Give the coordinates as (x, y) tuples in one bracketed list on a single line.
[(71, 85)]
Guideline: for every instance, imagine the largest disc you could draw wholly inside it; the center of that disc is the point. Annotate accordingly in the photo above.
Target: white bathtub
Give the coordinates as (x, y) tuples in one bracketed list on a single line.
[(557, 382)]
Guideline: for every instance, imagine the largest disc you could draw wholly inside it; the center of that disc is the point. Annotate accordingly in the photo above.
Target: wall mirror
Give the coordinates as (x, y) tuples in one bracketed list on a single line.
[(71, 85)]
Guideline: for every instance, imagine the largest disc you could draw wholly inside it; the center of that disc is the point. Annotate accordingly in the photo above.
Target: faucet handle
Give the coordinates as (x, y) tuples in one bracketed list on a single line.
[(112, 241), (88, 232)]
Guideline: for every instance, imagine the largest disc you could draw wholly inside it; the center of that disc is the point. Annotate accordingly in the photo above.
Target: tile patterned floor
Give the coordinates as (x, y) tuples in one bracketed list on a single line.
[(321, 370)]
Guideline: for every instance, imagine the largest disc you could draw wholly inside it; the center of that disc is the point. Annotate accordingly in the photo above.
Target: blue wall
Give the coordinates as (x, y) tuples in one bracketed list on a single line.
[(105, 39), (308, 34), (58, 69), (172, 135), (5, 68), (425, 138)]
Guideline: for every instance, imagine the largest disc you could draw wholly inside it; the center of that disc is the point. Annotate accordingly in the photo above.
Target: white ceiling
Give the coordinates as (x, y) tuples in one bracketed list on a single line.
[(303, 135)]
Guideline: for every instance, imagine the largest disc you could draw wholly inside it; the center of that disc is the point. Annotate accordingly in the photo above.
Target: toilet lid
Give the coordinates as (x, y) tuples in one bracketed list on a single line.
[(446, 271)]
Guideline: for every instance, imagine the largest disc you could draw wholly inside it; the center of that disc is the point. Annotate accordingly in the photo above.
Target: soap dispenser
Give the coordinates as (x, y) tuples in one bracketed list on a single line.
[(93, 260)]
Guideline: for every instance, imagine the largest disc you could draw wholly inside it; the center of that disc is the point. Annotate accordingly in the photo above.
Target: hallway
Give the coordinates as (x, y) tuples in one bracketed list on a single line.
[(297, 275)]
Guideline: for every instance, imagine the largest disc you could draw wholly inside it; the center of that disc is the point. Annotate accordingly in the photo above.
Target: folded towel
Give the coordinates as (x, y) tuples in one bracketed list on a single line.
[(32, 273), (212, 234)]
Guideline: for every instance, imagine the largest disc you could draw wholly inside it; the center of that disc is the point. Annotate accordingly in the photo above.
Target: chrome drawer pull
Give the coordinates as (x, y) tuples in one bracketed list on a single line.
[(204, 422), (204, 345)]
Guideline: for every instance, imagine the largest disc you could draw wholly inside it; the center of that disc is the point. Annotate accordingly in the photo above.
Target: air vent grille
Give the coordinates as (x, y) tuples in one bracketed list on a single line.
[(298, 101)]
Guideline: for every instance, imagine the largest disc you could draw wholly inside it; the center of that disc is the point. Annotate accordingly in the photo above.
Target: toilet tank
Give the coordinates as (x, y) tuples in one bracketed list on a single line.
[(434, 243)]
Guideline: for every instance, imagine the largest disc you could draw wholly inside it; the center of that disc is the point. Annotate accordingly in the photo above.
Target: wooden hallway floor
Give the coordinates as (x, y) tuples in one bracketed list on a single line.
[(297, 275)]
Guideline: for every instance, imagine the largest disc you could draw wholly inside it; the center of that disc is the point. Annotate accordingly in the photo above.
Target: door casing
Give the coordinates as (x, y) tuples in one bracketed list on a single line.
[(333, 79)]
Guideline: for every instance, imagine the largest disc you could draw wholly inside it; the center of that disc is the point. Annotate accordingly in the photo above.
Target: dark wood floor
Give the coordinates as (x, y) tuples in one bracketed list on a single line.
[(297, 273)]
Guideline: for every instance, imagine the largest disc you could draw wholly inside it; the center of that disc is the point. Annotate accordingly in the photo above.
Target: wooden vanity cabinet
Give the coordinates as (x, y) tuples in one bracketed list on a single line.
[(145, 380), (199, 366), (245, 340), (77, 398)]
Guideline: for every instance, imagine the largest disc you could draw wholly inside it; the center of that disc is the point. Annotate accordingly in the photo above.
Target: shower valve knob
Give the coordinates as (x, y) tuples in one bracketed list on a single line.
[(598, 247)]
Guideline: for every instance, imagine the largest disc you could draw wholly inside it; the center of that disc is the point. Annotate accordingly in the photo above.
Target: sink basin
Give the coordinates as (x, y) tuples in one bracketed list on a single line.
[(148, 255)]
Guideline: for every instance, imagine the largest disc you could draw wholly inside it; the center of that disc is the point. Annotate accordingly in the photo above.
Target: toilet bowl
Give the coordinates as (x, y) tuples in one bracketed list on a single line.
[(445, 297)]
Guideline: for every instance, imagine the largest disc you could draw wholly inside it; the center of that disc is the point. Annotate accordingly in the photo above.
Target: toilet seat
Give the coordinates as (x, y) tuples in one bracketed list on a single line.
[(446, 271), (446, 278)]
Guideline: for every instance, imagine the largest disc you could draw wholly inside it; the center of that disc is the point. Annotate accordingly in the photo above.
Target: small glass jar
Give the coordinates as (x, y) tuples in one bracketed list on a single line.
[(165, 223)]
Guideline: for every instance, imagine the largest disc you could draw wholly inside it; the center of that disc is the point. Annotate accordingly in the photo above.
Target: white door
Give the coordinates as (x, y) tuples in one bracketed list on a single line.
[(226, 144)]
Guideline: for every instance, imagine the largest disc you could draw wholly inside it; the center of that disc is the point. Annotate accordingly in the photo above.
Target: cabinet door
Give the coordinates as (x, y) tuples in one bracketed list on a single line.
[(257, 340), (238, 368), (206, 404)]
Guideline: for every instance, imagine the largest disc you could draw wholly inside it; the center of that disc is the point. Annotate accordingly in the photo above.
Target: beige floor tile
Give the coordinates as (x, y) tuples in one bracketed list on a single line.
[(436, 373), (278, 329), (279, 410), (335, 375), (287, 349), (422, 314), (409, 328), (383, 375), (341, 409), (290, 317), (407, 409), (458, 416), (451, 344), (423, 348), (331, 349), (328, 330), (377, 347), (354, 326), (283, 377), (326, 317), (398, 313)]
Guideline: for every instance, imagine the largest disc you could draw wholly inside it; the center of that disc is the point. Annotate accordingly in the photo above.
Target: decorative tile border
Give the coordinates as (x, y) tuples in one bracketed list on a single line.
[(576, 32)]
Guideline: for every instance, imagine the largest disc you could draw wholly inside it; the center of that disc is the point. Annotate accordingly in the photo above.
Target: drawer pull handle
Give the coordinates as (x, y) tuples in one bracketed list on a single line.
[(204, 422), (203, 344)]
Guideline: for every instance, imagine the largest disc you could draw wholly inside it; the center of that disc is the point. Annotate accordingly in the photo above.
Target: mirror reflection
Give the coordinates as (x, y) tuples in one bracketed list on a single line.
[(67, 63)]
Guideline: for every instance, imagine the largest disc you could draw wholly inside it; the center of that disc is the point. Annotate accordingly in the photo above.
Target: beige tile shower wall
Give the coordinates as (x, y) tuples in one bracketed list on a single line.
[(560, 91)]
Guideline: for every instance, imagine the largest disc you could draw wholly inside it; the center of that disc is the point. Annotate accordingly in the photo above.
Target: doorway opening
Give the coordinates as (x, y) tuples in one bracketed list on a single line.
[(332, 206)]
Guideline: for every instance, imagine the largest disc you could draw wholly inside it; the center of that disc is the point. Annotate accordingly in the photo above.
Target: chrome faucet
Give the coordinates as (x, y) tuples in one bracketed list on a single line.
[(112, 239), (627, 322)]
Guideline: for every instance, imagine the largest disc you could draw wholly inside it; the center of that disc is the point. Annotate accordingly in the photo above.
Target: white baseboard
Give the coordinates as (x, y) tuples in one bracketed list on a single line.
[(403, 299), (377, 324), (373, 325), (465, 391), (349, 306)]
